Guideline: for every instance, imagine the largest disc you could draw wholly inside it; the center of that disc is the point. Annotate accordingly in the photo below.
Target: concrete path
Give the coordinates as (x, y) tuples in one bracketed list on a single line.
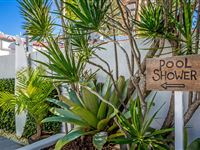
[(6, 144)]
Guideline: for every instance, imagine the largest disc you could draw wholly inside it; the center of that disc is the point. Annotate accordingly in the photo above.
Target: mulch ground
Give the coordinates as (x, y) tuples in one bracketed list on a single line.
[(84, 144)]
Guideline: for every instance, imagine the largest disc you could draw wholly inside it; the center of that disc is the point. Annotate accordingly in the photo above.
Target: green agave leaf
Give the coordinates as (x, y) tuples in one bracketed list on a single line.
[(115, 99), (125, 90), (90, 100), (127, 126), (73, 96), (65, 113), (58, 103), (106, 86), (103, 106), (86, 115), (69, 102), (72, 135), (65, 119), (102, 124)]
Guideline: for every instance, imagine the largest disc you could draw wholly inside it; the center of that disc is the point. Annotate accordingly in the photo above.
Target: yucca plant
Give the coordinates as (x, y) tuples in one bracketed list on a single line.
[(184, 27), (31, 93), (151, 23), (158, 23), (65, 68), (89, 14), (91, 111), (38, 21), (137, 128)]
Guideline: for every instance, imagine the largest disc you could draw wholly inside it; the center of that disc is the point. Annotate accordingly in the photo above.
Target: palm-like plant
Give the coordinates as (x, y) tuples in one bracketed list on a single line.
[(155, 22), (138, 131), (65, 68), (38, 21), (31, 94), (184, 26), (151, 23), (92, 110), (89, 14)]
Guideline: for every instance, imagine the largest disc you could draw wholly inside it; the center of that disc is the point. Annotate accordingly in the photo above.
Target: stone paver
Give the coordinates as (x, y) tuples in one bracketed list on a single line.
[(6, 144)]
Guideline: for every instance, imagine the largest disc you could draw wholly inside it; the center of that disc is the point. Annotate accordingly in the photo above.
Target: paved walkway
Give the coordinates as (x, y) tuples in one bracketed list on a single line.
[(6, 144)]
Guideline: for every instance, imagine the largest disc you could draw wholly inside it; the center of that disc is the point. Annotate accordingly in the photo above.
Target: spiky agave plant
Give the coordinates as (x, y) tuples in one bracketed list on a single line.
[(91, 111)]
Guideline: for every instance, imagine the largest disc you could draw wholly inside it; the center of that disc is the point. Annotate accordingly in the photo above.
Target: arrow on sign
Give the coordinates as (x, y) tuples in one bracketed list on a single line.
[(166, 85)]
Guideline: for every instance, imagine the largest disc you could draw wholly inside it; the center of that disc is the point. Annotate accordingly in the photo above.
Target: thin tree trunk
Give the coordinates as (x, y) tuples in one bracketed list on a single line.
[(38, 134), (115, 47), (198, 30)]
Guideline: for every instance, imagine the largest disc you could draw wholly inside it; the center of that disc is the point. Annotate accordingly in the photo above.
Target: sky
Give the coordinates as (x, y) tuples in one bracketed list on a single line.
[(10, 18)]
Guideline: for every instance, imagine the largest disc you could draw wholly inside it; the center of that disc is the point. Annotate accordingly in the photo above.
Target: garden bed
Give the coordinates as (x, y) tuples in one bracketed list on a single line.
[(84, 144)]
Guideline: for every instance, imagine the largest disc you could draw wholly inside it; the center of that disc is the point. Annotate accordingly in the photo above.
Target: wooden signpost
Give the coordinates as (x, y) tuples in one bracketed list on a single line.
[(179, 73)]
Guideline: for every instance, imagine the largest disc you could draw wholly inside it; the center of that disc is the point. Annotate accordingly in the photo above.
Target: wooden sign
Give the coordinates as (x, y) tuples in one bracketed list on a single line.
[(180, 73)]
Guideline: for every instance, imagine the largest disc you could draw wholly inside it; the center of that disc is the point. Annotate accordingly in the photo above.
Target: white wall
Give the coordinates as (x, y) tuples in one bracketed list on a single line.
[(7, 66)]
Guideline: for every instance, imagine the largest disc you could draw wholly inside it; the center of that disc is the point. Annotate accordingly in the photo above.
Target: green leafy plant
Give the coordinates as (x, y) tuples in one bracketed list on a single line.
[(89, 14), (65, 68), (38, 21), (138, 131), (156, 23), (184, 27), (32, 91), (195, 145), (92, 110), (151, 23), (7, 118)]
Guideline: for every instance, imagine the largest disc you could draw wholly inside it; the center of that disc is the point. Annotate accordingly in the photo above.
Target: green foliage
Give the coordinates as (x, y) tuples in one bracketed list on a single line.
[(50, 127), (65, 68), (151, 23), (184, 27), (155, 22), (38, 22), (32, 90), (89, 14), (7, 119), (138, 131), (31, 93), (92, 110), (195, 145), (67, 65), (7, 85), (80, 43)]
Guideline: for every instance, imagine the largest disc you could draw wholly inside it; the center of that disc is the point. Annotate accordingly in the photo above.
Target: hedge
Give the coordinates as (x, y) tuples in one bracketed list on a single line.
[(7, 119)]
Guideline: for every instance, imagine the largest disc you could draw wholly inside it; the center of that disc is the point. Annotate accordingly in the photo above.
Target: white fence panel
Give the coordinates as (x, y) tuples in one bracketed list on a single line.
[(7, 66)]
